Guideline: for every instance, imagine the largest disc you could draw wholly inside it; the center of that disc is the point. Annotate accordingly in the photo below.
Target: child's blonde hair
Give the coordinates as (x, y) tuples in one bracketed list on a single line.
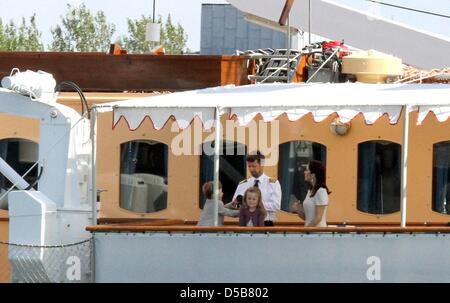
[(208, 189), (256, 191)]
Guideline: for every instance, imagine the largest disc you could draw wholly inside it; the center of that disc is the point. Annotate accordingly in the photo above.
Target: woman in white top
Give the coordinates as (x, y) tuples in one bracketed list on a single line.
[(314, 207)]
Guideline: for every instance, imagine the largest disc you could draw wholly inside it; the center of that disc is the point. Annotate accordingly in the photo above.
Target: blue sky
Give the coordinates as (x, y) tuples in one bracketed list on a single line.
[(187, 12)]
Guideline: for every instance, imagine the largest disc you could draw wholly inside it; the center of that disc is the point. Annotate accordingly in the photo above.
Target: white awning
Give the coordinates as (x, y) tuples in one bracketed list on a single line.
[(296, 100)]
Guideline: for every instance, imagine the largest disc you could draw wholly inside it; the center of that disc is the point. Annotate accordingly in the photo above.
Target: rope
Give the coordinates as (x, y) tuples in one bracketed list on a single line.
[(410, 9), (47, 246)]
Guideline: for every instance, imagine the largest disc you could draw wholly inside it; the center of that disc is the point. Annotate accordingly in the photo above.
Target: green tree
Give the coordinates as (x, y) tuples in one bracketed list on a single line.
[(26, 37), (10, 40), (82, 31), (2, 36), (172, 38), (30, 36), (135, 41)]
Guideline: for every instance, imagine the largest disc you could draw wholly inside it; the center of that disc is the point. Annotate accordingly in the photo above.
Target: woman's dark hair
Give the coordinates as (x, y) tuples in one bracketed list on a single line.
[(316, 168)]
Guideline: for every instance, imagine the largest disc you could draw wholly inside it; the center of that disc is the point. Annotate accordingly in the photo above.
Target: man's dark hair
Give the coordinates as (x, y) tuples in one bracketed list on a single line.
[(255, 156)]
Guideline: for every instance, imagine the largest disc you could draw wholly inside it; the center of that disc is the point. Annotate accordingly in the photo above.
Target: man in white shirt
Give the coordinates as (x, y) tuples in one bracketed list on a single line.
[(270, 187)]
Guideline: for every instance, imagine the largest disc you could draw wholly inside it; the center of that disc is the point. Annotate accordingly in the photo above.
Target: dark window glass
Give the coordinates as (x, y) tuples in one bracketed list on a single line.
[(232, 168), (20, 154), (379, 177), (441, 177), (143, 176), (294, 157)]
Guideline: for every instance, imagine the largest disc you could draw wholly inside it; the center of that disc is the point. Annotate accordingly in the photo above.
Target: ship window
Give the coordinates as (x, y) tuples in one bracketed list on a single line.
[(143, 176), (379, 177), (20, 154), (441, 177), (232, 167), (294, 158)]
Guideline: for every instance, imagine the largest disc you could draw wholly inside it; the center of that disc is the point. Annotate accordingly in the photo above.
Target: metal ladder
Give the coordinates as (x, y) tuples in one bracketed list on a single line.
[(271, 65)]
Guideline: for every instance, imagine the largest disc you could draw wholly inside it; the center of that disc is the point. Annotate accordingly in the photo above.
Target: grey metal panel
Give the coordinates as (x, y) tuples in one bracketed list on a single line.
[(206, 16), (279, 40), (254, 39), (241, 28), (241, 44), (206, 38), (218, 11), (206, 29), (205, 50), (227, 23), (266, 34), (230, 39), (218, 28), (229, 257), (230, 17), (229, 51), (217, 47)]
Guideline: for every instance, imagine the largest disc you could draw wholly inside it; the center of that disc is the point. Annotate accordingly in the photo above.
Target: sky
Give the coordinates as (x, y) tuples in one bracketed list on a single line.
[(188, 13)]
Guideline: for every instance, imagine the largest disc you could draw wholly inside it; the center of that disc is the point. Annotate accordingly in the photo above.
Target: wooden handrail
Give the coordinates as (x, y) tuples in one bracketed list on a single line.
[(276, 229), (149, 223), (279, 223), (146, 221)]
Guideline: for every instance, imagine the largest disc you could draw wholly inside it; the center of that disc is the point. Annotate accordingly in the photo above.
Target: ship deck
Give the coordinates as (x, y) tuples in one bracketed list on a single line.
[(178, 251)]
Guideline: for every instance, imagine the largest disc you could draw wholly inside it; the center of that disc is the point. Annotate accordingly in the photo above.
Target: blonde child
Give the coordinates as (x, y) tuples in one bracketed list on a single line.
[(252, 212)]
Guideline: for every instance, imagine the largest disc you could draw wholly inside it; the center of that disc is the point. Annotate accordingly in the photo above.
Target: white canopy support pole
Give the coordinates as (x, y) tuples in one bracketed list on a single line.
[(404, 165), (217, 145), (94, 164), (93, 184), (288, 67)]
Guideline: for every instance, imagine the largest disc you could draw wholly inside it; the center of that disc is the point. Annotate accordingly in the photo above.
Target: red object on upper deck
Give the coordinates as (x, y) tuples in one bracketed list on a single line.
[(330, 47)]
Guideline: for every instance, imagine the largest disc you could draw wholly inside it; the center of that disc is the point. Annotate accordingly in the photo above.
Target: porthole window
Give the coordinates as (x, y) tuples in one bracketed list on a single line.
[(21, 155), (441, 177), (379, 177), (294, 158), (232, 168), (143, 176)]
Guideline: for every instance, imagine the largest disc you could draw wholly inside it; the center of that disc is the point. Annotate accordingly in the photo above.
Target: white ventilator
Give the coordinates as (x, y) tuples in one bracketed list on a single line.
[(38, 85)]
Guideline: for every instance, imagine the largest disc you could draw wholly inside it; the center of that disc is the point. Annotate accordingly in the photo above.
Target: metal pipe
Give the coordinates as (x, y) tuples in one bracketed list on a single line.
[(261, 56), (404, 165), (288, 67), (216, 167), (309, 22), (323, 64), (153, 11)]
